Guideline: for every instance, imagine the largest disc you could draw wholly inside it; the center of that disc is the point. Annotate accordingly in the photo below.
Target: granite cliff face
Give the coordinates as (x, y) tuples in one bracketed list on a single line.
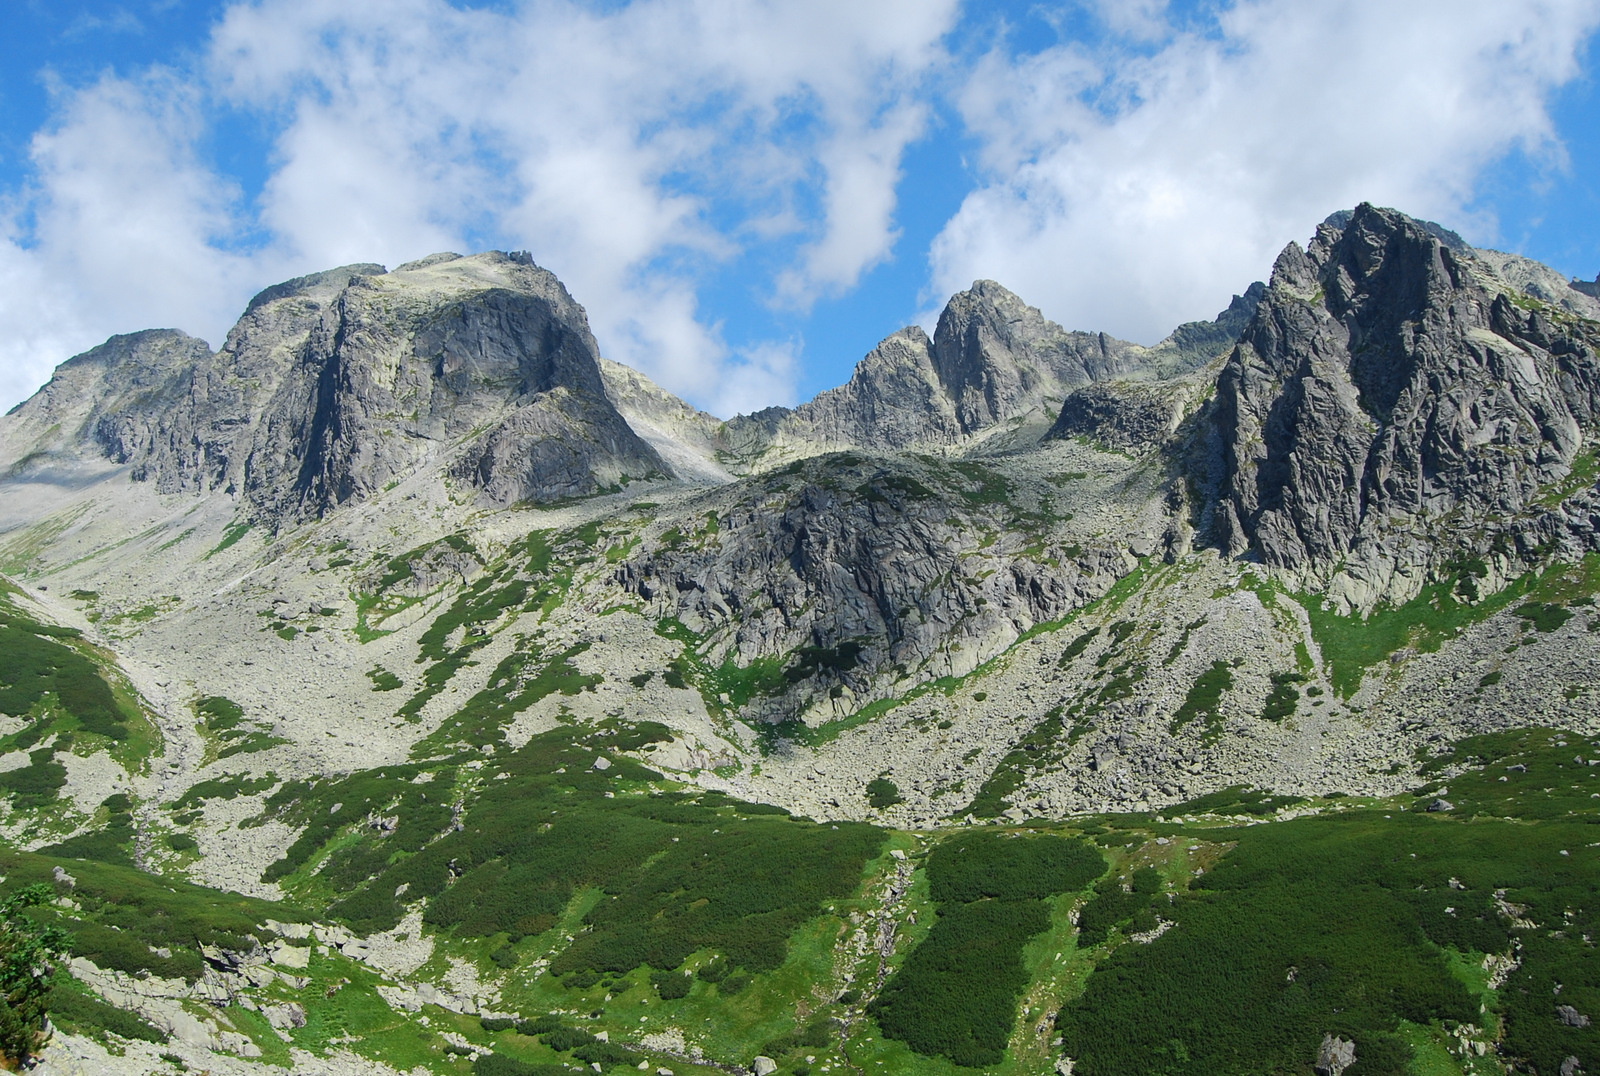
[(1395, 402), (334, 385)]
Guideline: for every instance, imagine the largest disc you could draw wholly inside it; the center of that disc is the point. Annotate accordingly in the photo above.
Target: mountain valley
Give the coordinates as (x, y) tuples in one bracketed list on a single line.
[(405, 687)]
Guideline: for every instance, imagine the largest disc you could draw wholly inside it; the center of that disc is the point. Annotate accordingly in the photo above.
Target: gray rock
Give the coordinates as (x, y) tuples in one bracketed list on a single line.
[(1571, 1017), (1571, 1067), (334, 385), (1441, 804), (1391, 385), (763, 1066), (1334, 1056)]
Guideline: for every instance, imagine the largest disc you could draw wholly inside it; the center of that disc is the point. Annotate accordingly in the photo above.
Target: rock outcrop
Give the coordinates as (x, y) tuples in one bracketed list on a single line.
[(1392, 387), (872, 567)]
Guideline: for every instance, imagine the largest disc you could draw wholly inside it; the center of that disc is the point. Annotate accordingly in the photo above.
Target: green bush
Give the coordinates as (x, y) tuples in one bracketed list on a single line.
[(882, 792), (538, 1025), (980, 864), (86, 1014), (1203, 702), (565, 1038), (1342, 923), (37, 783), (671, 985), (33, 664), (501, 1065), (956, 994)]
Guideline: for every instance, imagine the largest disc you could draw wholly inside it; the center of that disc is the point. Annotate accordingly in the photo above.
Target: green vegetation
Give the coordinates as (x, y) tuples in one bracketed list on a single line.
[(883, 793), (230, 537), (1348, 923), (224, 719), (37, 783), (521, 679), (1350, 645), (108, 840), (676, 876), (991, 799), (81, 1012), (37, 665), (973, 865), (384, 680), (1077, 647), (1283, 698), (223, 788), (26, 949), (1236, 799), (1585, 469), (1119, 902), (1543, 616), (1203, 702), (124, 916), (956, 994)]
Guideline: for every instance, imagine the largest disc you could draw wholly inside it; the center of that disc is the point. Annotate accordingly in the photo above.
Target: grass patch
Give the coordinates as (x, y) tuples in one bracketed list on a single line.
[(1347, 923), (230, 538)]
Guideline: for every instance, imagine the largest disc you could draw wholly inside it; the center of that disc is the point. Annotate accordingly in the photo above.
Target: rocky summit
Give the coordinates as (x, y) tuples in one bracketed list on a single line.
[(405, 687)]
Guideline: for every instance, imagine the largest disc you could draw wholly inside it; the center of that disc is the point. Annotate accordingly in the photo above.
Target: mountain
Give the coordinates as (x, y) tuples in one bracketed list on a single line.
[(334, 384), (406, 685)]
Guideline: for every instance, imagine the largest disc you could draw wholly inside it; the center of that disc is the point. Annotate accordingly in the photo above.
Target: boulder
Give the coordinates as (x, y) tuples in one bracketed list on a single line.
[(763, 1066), (1334, 1056), (1571, 1017)]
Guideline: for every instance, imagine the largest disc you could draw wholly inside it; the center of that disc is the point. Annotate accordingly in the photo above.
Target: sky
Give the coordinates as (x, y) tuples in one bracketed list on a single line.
[(746, 195)]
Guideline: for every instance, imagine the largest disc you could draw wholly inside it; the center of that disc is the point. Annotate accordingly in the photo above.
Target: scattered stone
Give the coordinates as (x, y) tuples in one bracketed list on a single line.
[(1571, 1017)]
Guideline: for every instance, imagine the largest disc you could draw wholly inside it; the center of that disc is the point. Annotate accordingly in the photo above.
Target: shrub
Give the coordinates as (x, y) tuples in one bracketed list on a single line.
[(87, 1014), (882, 792), (564, 1038), (956, 994), (671, 985), (980, 864)]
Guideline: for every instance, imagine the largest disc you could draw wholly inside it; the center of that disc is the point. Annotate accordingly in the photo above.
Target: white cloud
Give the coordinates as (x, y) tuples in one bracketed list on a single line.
[(121, 232), (761, 376), (623, 149), (629, 148), (1131, 191)]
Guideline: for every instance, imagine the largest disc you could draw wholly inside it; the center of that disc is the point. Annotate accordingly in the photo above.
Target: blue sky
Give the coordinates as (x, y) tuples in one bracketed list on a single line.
[(748, 194)]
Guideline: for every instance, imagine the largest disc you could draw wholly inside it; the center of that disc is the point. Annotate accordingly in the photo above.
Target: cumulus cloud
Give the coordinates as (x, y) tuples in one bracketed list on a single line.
[(1129, 189), (644, 151), (124, 229), (631, 148)]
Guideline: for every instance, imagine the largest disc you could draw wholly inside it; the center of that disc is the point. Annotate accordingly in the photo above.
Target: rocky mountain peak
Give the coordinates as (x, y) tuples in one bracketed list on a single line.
[(335, 384), (1392, 381)]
